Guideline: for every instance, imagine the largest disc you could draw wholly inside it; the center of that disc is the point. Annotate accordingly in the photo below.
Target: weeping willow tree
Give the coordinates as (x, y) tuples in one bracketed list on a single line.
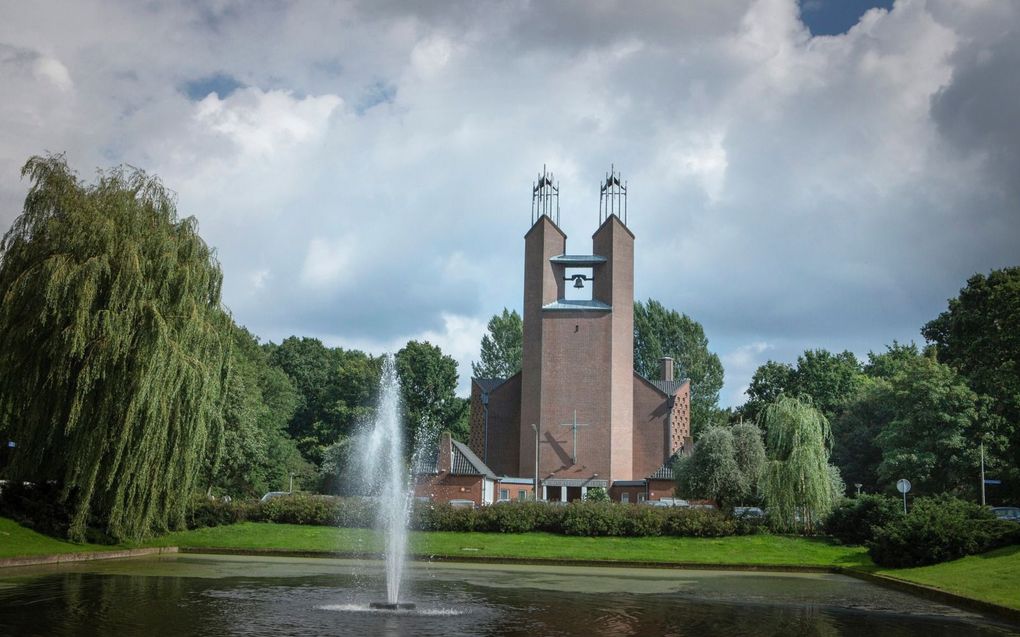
[(799, 484), (113, 347)]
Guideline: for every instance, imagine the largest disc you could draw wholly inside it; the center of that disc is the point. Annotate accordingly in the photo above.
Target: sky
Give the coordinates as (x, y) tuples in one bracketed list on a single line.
[(824, 174)]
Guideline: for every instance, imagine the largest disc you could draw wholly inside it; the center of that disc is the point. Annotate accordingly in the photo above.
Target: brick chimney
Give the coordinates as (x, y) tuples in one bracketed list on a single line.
[(666, 368), (445, 463)]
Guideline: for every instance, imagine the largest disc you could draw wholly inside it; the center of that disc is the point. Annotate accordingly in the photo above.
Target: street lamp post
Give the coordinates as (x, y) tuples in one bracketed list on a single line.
[(534, 428), (858, 485)]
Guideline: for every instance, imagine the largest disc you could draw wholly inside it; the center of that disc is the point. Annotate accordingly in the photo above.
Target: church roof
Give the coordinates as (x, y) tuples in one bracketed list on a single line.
[(668, 387), (665, 472), (466, 463), (488, 384)]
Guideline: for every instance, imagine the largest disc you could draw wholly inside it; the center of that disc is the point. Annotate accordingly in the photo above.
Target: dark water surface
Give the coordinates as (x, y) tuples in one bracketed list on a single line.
[(214, 595)]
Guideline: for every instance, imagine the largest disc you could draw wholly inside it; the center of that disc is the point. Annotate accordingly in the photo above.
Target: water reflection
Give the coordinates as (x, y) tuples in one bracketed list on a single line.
[(204, 595)]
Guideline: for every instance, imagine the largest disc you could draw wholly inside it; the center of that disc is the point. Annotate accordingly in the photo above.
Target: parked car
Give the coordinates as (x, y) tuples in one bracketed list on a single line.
[(748, 512), (274, 494), (667, 502), (1007, 513)]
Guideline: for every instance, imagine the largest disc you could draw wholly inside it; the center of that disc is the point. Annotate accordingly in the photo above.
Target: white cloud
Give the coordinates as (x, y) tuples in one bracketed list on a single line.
[(329, 263), (789, 190), (55, 72)]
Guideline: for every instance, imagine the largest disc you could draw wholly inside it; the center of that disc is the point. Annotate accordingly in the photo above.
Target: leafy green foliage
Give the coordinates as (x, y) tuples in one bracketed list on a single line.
[(113, 347), (829, 380), (855, 435), (725, 466), (428, 380), (856, 520), (597, 494), (798, 481), (501, 347), (928, 437), (659, 332), (257, 455), (979, 336), (337, 391), (940, 529)]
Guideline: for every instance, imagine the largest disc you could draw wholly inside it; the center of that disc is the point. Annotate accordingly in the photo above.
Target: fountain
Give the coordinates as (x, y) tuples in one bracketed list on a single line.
[(387, 471)]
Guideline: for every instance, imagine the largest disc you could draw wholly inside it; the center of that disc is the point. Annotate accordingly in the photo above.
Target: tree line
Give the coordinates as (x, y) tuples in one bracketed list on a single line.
[(127, 385)]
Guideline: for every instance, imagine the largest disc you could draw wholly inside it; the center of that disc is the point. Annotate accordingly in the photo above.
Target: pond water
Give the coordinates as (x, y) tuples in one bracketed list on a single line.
[(219, 595)]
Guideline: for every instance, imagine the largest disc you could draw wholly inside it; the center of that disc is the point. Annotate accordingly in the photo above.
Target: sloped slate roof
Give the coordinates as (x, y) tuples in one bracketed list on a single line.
[(665, 472), (488, 384), (668, 387), (466, 463)]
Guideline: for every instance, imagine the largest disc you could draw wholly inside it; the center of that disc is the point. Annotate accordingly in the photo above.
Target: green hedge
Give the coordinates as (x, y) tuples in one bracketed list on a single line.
[(939, 529), (857, 520), (577, 518)]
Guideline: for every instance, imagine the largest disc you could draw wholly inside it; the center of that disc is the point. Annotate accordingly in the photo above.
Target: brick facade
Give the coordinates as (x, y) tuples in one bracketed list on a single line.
[(578, 356)]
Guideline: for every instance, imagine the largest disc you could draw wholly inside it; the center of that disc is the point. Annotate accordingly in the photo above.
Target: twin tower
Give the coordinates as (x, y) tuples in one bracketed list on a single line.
[(596, 422)]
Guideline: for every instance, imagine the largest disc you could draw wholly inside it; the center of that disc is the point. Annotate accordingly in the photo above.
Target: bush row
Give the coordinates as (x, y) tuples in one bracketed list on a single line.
[(576, 518), (936, 529)]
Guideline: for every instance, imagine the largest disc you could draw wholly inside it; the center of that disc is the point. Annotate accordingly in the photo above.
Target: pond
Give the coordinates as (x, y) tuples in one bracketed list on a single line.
[(223, 595)]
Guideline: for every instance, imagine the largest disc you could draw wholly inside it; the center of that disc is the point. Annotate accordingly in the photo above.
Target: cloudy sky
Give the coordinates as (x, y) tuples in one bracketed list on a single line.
[(824, 175)]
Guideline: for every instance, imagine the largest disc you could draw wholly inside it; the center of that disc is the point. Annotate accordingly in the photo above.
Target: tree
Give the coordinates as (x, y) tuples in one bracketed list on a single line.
[(769, 381), (829, 380), (501, 347), (428, 380), (799, 485), (979, 336), (932, 416), (725, 466), (659, 332), (337, 390), (855, 447), (113, 347), (257, 455)]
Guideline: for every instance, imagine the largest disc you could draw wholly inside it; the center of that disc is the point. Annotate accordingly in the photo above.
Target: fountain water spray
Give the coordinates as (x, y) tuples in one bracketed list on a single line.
[(386, 469)]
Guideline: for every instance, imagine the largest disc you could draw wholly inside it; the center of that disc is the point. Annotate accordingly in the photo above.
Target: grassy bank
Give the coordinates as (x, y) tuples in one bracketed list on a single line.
[(18, 541), (991, 577), (759, 550)]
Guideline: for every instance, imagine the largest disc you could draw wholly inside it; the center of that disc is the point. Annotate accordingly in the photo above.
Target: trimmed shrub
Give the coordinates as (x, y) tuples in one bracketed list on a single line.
[(698, 523), (205, 512), (594, 519), (643, 521), (300, 509), (939, 529), (443, 517), (512, 517), (855, 521)]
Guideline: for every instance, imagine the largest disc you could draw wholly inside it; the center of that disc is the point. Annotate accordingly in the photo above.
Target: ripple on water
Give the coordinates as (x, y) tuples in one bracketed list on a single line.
[(364, 608)]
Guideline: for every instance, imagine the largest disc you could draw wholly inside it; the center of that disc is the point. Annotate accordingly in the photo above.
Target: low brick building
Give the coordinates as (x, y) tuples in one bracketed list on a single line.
[(459, 475)]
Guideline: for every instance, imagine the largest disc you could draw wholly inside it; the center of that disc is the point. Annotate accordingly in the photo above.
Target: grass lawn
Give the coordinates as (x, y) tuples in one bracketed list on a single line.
[(991, 577), (753, 550), (18, 541)]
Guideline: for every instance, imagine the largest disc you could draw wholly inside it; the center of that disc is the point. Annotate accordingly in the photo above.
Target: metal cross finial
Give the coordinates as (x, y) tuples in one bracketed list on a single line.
[(574, 425)]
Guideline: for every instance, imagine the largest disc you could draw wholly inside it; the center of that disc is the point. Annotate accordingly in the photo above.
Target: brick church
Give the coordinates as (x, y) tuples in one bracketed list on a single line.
[(594, 420)]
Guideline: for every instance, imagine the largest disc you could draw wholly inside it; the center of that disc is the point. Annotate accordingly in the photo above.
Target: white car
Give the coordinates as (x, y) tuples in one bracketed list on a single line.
[(274, 494)]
